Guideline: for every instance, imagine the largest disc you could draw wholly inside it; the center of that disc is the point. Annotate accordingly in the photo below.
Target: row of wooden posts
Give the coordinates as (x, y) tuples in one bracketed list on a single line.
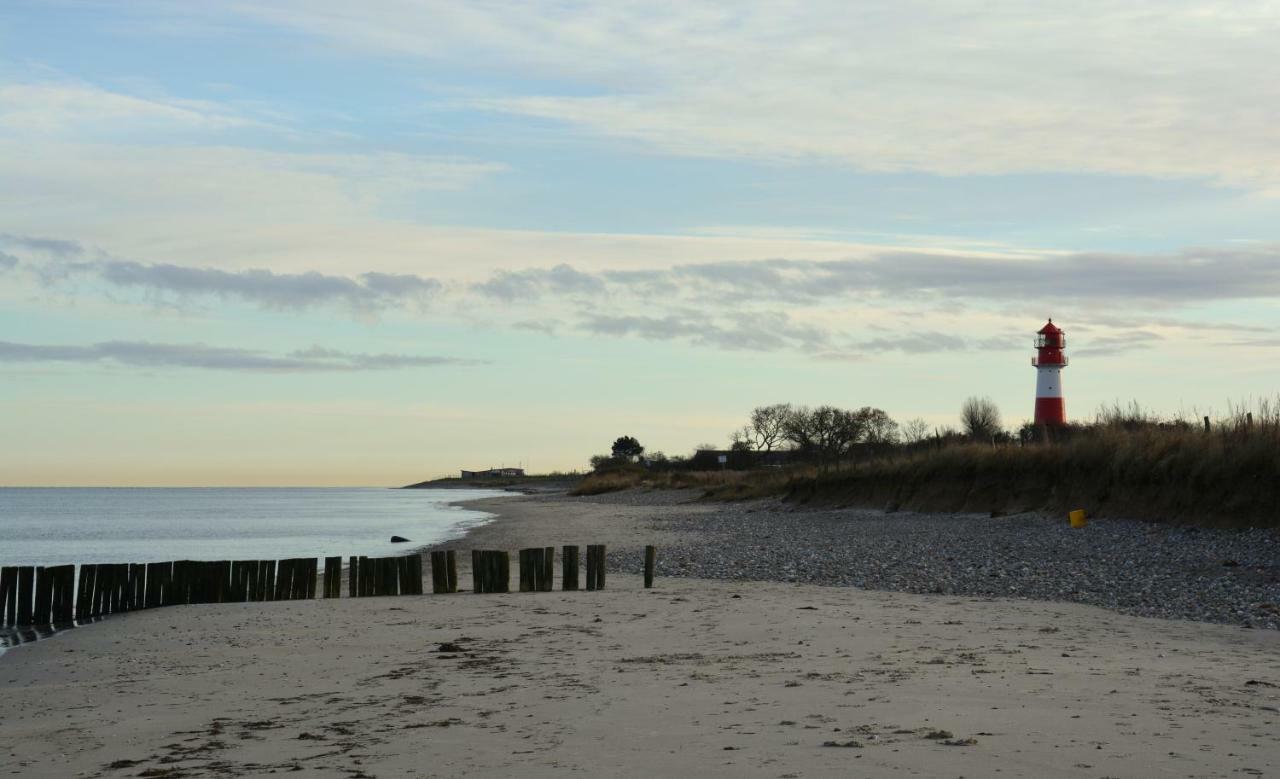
[(54, 595)]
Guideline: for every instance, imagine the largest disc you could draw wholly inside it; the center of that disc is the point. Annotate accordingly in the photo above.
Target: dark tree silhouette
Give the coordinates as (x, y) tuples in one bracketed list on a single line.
[(627, 448)]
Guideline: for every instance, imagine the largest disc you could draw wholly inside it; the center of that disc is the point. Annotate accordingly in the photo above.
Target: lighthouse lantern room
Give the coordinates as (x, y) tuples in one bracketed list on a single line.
[(1051, 409)]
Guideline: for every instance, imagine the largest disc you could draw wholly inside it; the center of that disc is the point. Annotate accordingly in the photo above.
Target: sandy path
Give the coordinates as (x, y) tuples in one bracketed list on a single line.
[(692, 678)]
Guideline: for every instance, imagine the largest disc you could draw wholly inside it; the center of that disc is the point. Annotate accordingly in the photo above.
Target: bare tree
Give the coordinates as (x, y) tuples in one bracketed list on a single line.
[(980, 418), (826, 432), (800, 430), (914, 430), (879, 429), (768, 425)]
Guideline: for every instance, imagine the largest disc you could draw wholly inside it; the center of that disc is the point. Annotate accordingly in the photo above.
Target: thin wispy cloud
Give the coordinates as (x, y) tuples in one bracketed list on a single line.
[(365, 293), (146, 354), (762, 331), (1189, 276), (1025, 90), (54, 247), (530, 284)]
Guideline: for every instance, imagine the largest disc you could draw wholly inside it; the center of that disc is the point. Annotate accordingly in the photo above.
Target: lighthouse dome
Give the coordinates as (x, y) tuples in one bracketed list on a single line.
[(1051, 337)]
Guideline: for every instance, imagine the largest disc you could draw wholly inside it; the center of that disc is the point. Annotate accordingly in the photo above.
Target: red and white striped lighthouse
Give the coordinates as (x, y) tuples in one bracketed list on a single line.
[(1049, 361)]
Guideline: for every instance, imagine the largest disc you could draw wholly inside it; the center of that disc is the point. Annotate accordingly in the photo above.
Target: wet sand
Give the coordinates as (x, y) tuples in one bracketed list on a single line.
[(694, 677)]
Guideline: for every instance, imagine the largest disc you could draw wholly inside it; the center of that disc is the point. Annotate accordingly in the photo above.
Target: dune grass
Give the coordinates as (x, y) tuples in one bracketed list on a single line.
[(1171, 471)]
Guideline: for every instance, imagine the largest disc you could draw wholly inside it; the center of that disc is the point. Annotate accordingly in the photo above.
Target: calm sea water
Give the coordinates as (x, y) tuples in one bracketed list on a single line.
[(57, 526)]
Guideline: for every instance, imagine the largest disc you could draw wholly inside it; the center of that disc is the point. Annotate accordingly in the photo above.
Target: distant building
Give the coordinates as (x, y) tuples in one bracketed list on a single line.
[(736, 459), (494, 473)]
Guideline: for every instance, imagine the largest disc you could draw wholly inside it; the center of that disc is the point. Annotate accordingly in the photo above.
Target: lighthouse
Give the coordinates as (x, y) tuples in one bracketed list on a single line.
[(1051, 409)]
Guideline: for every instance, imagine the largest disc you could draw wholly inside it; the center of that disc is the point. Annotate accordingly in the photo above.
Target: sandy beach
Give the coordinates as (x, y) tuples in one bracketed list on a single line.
[(695, 677)]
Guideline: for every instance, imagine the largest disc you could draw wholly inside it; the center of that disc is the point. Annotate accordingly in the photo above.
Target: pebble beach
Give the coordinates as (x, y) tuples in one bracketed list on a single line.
[(1140, 568)]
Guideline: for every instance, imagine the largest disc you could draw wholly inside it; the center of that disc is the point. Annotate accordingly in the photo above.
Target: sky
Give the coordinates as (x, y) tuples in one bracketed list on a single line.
[(332, 243)]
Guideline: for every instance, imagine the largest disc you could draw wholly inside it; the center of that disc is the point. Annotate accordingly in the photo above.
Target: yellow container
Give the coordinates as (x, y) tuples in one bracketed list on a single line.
[(1077, 518)]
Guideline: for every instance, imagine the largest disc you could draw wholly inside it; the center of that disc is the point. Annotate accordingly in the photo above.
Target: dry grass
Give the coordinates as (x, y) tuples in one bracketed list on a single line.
[(1161, 471), (626, 478)]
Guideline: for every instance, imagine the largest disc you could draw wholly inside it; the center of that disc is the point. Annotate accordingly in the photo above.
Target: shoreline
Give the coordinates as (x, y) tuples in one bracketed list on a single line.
[(717, 678)]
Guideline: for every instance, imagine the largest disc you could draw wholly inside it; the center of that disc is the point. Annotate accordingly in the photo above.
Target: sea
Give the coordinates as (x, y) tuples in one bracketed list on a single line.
[(56, 526)]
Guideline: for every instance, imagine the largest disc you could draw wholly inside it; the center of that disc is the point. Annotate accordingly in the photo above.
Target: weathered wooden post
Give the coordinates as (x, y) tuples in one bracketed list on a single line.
[(310, 571), (26, 586), (1206, 424), (107, 573), (44, 597), (416, 573), (8, 596), (176, 593), (650, 562), (284, 579), (477, 571), (547, 582), (444, 572), (504, 571), (252, 569), (333, 577), (391, 575), (439, 582), (4, 597), (592, 562), (569, 568), (139, 586), (533, 569), (41, 613), (236, 592), (402, 574), (151, 598), (223, 572), (64, 594), (267, 579)]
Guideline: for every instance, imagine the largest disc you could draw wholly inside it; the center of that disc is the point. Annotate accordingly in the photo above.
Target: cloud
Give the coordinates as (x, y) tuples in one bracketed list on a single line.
[(50, 108), (1193, 275), (914, 343), (8, 261), (271, 290), (761, 331), (1118, 343), (946, 87), (54, 247), (530, 284), (145, 354), (366, 293), (544, 326)]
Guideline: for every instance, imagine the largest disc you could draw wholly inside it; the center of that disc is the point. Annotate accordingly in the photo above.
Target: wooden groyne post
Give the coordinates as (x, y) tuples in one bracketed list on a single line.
[(595, 566), (569, 568), (490, 571), (650, 562), (537, 569), (61, 594)]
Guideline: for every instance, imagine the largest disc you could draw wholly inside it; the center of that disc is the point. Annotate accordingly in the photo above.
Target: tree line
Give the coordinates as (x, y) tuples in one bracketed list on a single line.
[(826, 435)]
